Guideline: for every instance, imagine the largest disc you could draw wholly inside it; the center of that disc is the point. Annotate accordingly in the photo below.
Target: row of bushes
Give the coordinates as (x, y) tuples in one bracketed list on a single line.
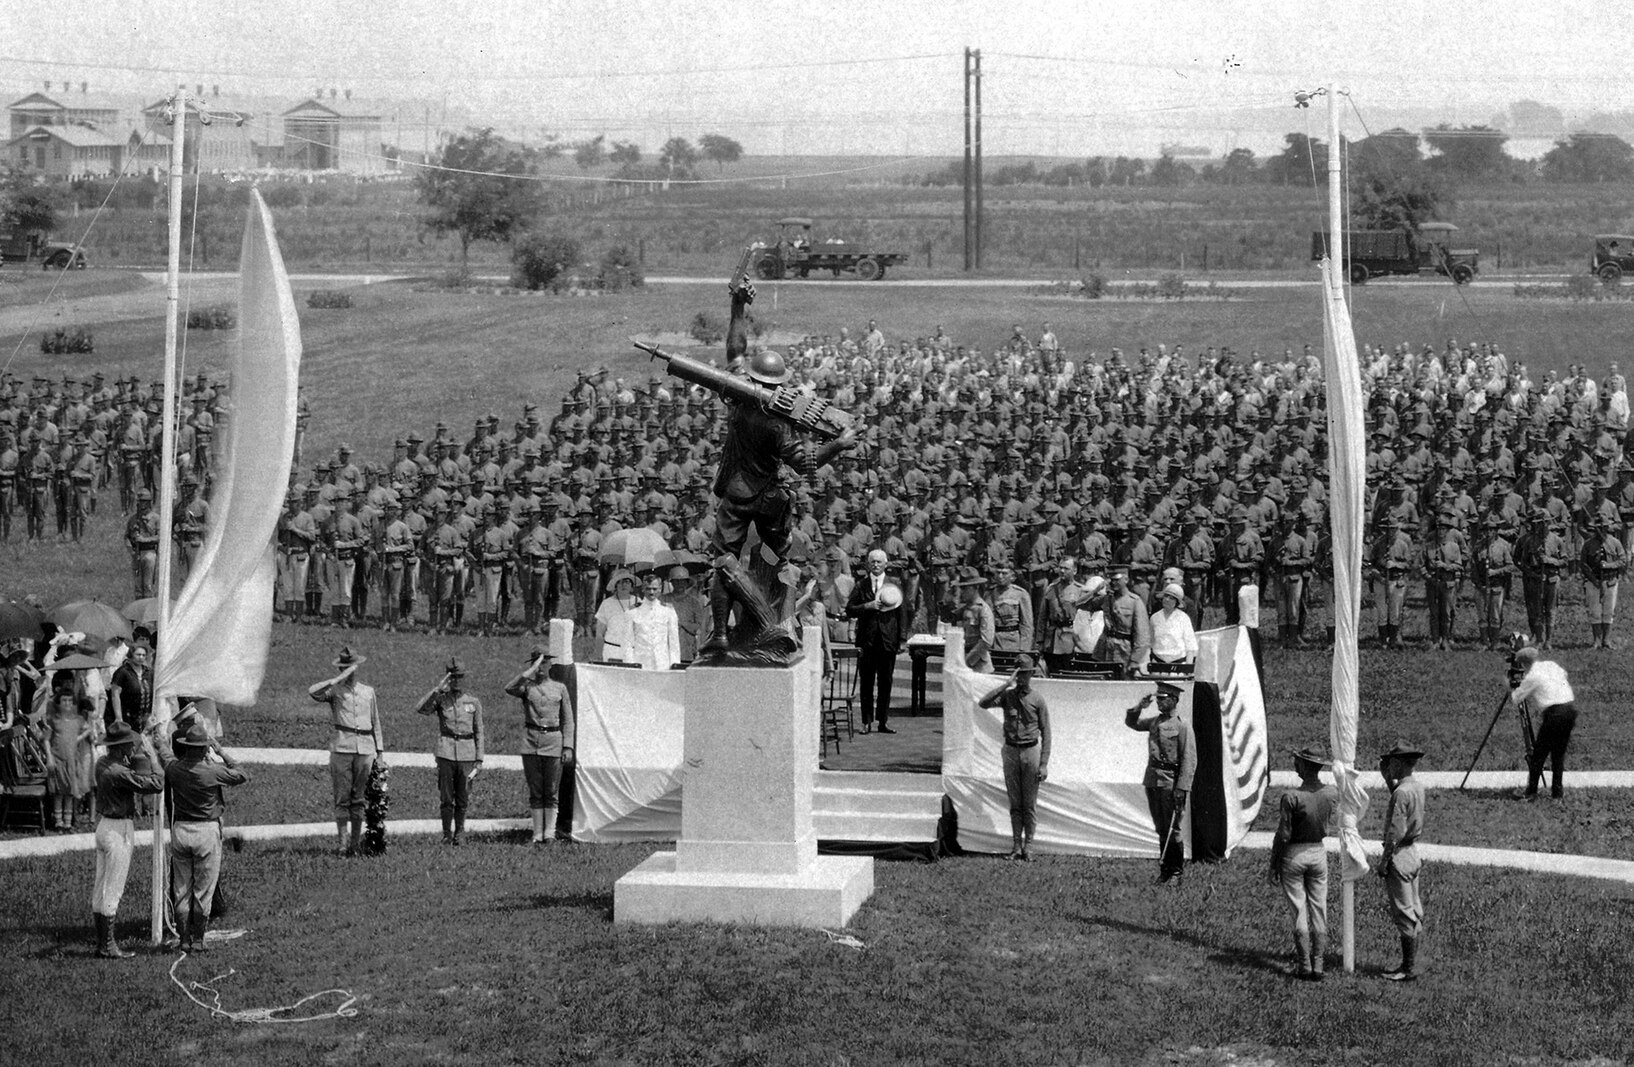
[(1169, 286), (61, 342), (552, 261)]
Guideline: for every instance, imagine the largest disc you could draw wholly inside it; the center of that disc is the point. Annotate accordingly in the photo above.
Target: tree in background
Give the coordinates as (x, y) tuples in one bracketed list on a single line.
[(1470, 153), (1239, 167), (1169, 171), (481, 188), (1381, 203), (1589, 157), (591, 153), (1126, 171), (1302, 161), (720, 150), (625, 153), (1390, 155), (24, 206), (679, 156)]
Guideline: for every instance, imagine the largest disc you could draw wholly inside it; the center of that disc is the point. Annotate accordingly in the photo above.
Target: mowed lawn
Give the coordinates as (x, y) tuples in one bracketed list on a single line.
[(503, 953)]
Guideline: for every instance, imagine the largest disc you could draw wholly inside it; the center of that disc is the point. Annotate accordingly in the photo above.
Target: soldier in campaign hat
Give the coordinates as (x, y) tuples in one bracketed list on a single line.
[(460, 746), (1026, 728), (1299, 860), (549, 737), (356, 744), (1400, 865)]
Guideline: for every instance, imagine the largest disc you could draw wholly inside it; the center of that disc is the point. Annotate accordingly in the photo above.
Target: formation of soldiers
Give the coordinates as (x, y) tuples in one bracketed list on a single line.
[(1480, 480), (64, 445)]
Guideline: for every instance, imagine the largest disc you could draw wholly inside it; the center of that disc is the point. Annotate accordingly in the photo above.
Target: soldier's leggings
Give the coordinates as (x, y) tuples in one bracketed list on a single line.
[(1600, 599)]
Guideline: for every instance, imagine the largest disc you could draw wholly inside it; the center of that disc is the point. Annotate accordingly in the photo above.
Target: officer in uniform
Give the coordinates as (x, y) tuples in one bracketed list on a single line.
[(1299, 860), (1012, 613), (347, 542), (399, 552), (1444, 565), (1026, 729), (1400, 866), (1127, 639), (691, 611), (1296, 555), (549, 733), (1171, 764), (976, 619), (459, 749)]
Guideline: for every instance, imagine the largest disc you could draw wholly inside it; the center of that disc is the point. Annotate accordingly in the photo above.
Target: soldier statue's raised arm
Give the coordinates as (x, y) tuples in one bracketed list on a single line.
[(765, 420)]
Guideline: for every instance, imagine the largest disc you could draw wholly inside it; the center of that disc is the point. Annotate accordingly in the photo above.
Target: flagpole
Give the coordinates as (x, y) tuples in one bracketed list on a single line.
[(167, 465), (1336, 256)]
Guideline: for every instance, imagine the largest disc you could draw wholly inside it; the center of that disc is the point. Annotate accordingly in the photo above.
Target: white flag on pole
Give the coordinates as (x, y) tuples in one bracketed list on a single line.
[(216, 642)]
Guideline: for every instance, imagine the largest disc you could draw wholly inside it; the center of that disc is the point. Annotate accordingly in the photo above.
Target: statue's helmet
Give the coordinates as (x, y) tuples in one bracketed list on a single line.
[(768, 368)]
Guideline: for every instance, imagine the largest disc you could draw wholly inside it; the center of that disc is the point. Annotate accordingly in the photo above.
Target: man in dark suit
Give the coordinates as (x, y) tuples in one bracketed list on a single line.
[(878, 606)]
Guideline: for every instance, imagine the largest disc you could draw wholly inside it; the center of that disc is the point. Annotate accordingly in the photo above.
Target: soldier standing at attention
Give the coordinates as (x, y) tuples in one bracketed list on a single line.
[(549, 725), (1604, 560), (1171, 763), (1026, 750), (1299, 861), (1400, 867), (1491, 568), (1127, 639), (459, 748), (1012, 613)]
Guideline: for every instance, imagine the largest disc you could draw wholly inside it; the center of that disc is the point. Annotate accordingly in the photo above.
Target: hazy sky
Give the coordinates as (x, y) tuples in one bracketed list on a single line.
[(880, 76)]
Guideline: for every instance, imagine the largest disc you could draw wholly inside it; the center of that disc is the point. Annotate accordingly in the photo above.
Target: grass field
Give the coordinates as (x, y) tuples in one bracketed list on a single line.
[(343, 224), (499, 953)]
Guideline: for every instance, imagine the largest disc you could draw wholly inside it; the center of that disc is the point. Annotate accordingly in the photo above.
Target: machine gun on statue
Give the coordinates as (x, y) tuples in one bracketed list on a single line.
[(805, 411)]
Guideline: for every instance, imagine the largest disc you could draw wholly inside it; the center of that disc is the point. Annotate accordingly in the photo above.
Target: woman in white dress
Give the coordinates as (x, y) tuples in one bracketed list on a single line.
[(613, 635), (1174, 639), (655, 629)]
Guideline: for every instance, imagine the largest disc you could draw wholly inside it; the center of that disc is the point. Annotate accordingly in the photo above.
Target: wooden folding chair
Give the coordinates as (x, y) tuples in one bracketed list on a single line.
[(840, 697)]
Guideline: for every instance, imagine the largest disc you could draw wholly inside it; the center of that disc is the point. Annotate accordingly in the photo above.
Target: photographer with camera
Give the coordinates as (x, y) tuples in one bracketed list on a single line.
[(1542, 691)]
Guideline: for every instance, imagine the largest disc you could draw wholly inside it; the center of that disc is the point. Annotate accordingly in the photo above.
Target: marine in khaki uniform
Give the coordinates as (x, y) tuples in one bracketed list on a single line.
[(459, 749)]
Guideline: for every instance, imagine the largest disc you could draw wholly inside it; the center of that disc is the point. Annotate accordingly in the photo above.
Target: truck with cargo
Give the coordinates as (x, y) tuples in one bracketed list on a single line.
[(1426, 250)]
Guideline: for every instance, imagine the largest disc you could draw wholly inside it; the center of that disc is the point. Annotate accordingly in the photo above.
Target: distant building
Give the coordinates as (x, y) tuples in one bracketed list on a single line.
[(229, 143), (72, 152), (339, 135), (67, 108)]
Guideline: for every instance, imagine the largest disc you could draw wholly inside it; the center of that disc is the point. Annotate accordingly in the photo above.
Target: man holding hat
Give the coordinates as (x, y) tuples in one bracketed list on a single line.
[(195, 783), (1026, 749), (1545, 694), (1400, 866), (877, 605), (354, 747), (460, 746), (549, 733), (1299, 860), (121, 775), (1171, 763)]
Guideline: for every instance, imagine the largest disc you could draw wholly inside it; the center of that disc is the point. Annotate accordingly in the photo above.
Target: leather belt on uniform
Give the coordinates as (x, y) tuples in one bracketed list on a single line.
[(354, 730), (459, 737), (1022, 744)]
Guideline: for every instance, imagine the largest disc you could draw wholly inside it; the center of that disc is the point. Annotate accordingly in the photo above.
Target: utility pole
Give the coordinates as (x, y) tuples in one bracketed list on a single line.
[(970, 247), (980, 221)]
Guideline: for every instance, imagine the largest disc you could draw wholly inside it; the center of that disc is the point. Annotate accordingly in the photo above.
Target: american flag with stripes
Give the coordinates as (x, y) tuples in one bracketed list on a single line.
[(1242, 719)]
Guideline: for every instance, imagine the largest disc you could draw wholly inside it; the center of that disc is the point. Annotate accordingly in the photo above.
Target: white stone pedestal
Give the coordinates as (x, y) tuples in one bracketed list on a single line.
[(748, 852)]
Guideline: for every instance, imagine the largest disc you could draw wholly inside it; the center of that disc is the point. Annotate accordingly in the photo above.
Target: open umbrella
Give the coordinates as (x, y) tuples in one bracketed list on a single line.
[(90, 617), (77, 661), (144, 612), (19, 620), (640, 545)]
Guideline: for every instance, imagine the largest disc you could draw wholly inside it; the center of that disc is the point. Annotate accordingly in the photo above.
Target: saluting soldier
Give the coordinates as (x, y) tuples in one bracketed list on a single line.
[(459, 749), (549, 737), (1171, 764)]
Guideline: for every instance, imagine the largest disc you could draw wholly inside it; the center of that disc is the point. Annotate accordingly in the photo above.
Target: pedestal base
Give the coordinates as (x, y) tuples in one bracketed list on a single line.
[(826, 893)]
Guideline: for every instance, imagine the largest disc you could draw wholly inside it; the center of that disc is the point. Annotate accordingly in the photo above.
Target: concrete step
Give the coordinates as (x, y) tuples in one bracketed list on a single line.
[(856, 826), (873, 806)]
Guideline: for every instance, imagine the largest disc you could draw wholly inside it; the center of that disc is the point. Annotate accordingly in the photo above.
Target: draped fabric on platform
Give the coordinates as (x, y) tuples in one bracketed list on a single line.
[(1347, 471), (215, 644)]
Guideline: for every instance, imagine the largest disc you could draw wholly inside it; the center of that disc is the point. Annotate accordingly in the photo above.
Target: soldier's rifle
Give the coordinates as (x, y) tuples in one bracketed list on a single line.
[(804, 411)]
